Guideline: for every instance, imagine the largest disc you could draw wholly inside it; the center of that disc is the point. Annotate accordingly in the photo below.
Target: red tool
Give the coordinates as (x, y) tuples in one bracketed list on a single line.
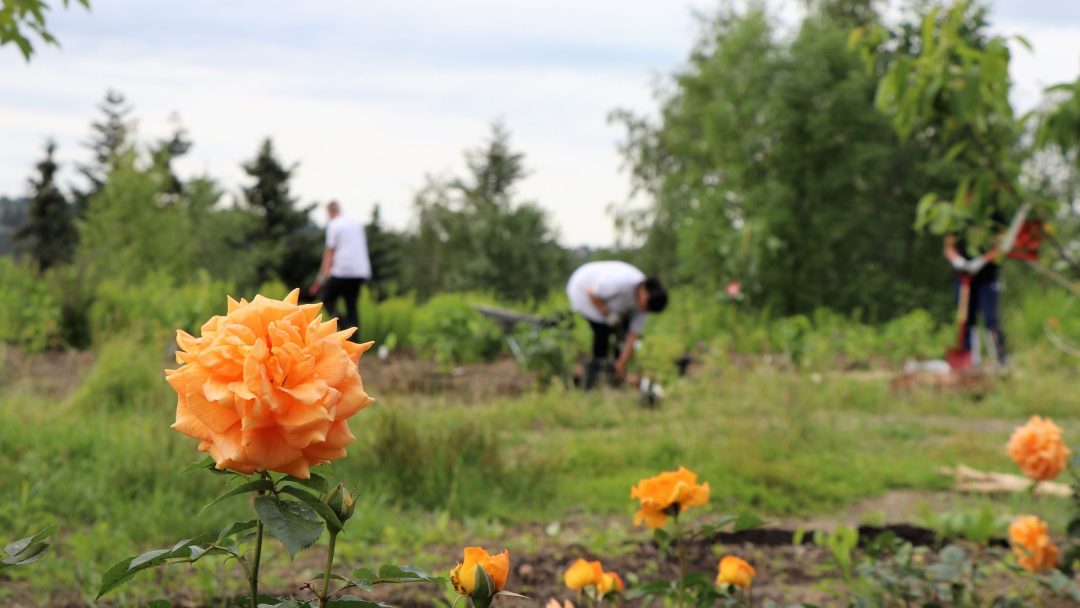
[(959, 358)]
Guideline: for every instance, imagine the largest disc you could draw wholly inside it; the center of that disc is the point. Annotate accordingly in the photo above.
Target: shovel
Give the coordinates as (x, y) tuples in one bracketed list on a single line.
[(959, 358)]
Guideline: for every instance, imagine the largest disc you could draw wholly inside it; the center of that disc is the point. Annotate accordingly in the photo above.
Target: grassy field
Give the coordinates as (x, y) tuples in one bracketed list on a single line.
[(87, 444)]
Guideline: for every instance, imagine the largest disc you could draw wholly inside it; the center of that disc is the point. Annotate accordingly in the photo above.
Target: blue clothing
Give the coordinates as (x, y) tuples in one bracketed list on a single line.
[(985, 301)]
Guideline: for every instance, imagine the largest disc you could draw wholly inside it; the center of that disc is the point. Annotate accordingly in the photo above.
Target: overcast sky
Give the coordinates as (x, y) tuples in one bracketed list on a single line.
[(371, 96)]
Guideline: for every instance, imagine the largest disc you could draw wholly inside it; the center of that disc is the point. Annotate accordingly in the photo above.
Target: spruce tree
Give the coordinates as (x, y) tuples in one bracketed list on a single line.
[(289, 241), (111, 134), (49, 233)]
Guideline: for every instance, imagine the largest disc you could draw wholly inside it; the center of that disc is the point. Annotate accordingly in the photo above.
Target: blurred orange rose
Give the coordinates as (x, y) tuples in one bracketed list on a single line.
[(1031, 543), (583, 573), (735, 571), (268, 387), (668, 494), (1038, 449), (609, 582), (463, 576)]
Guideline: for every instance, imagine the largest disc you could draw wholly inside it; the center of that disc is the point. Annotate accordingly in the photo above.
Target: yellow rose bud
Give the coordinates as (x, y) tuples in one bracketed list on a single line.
[(582, 574), (610, 582), (735, 571), (497, 567)]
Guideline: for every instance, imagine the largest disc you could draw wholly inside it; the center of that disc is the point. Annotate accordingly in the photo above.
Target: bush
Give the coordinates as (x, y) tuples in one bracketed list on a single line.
[(388, 322), (29, 314), (127, 374), (156, 305), (450, 329)]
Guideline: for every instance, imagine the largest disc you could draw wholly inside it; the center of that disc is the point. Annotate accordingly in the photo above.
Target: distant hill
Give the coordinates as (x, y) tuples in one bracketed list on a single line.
[(12, 215)]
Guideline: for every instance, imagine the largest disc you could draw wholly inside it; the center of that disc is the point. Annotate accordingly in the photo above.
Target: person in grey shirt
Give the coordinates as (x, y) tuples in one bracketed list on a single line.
[(615, 298)]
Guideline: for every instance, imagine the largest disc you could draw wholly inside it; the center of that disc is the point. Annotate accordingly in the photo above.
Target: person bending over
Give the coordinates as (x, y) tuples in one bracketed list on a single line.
[(615, 298)]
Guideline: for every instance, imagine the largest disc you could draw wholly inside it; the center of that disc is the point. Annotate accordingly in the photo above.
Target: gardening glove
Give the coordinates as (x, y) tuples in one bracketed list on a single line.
[(613, 319), (975, 264), (959, 264)]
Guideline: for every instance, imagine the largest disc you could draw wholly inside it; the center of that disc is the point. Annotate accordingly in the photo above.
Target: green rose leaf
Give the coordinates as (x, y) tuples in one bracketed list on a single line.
[(188, 550), (332, 522), (257, 485), (747, 521), (315, 482), (27, 550), (295, 524)]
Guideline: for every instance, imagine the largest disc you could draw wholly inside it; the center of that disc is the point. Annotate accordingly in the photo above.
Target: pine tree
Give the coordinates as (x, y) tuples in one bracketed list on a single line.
[(168, 150), (385, 249), (49, 233), (288, 238), (110, 135)]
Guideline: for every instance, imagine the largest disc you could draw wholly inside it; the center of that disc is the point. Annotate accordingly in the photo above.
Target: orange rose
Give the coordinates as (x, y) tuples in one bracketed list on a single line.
[(1038, 449), (463, 576), (269, 387), (735, 571), (583, 573), (1031, 543), (668, 494), (609, 582)]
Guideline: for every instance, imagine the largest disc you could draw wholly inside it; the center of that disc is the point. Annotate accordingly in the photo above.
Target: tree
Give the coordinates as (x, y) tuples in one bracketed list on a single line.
[(770, 164), (289, 242), (472, 235), (49, 232), (20, 19), (132, 230), (386, 249), (167, 150), (111, 134)]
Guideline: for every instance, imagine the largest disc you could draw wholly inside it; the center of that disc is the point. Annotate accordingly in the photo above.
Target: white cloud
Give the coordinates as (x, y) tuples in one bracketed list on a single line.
[(369, 97)]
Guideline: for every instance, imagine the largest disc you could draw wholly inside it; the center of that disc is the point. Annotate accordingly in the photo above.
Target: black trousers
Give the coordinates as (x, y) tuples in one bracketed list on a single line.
[(602, 335), (348, 289)]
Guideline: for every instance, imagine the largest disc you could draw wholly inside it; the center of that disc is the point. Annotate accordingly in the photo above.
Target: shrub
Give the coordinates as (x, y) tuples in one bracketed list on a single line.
[(450, 329), (156, 305), (127, 374), (29, 314)]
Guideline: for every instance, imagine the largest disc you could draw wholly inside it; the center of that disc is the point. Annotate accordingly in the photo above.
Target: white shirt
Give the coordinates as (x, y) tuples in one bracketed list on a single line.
[(346, 237), (613, 282)]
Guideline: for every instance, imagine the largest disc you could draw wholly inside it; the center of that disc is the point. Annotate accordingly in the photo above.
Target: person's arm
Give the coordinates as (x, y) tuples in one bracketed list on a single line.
[(958, 262), (324, 271), (599, 303), (626, 353)]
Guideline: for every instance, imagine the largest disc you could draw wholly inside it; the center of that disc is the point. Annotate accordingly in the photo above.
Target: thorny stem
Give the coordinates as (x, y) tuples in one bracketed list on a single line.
[(325, 596)]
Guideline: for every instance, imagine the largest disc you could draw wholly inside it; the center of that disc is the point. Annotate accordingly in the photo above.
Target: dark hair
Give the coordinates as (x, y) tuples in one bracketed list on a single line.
[(657, 295)]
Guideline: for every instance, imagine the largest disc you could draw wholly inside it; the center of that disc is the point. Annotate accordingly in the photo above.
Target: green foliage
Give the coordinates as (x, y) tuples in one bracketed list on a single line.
[(21, 19), (460, 467), (474, 236), (946, 81), (452, 331), (388, 322), (157, 305), (124, 376), (770, 164), (29, 313), (134, 229)]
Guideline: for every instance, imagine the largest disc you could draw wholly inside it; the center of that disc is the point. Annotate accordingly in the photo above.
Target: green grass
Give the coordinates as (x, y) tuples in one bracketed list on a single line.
[(436, 471)]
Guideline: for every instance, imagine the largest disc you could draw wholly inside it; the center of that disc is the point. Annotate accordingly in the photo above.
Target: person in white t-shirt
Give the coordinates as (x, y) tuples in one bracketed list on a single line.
[(615, 298), (345, 266)]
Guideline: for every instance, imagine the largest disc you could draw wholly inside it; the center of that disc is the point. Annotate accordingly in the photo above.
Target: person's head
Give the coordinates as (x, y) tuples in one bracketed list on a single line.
[(651, 295), (333, 209)]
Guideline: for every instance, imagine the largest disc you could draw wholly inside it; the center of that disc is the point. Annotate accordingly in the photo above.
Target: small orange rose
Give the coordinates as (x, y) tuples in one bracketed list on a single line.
[(668, 494), (497, 567), (735, 571), (1038, 449), (1032, 545), (583, 573), (268, 387), (610, 582)]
